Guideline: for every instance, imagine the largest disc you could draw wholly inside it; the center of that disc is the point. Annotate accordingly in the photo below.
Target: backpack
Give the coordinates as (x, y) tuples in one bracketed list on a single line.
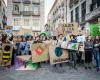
[(23, 47)]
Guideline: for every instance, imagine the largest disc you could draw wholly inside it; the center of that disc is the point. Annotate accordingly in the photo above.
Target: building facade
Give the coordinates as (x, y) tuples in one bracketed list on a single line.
[(3, 18), (28, 14), (84, 12), (57, 15)]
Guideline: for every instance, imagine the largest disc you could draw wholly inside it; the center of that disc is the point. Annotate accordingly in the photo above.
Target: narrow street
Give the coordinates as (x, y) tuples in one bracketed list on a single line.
[(49, 39), (47, 72)]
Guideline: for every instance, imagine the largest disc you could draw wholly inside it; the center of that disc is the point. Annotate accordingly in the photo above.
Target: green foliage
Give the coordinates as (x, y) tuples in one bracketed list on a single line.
[(94, 30)]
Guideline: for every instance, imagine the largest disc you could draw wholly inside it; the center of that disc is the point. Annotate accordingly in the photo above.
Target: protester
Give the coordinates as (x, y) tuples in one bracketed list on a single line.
[(58, 47), (97, 52), (88, 52), (73, 53)]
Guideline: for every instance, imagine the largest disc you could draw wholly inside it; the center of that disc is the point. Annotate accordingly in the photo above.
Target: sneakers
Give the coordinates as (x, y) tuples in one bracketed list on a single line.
[(98, 69), (88, 67)]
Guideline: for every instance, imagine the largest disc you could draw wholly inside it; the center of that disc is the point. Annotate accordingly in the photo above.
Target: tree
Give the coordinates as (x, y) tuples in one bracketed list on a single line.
[(94, 30)]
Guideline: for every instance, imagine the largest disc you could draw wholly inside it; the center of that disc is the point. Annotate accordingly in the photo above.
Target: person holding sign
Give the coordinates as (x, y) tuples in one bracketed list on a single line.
[(97, 52), (58, 49), (88, 52), (72, 52)]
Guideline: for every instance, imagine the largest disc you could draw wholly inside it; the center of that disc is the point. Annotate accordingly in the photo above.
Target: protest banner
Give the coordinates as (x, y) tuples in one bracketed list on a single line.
[(58, 55), (39, 52), (0, 56), (7, 54), (47, 43), (81, 47), (24, 62), (64, 44), (72, 28), (73, 46), (81, 38)]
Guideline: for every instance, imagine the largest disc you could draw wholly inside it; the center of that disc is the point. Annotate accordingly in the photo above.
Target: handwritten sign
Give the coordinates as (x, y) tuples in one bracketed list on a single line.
[(58, 55), (39, 52)]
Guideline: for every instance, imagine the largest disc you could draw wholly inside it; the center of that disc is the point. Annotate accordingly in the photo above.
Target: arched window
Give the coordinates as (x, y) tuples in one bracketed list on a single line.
[(16, 8)]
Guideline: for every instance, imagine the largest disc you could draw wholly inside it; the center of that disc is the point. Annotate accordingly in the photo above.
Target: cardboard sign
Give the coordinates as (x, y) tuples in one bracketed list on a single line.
[(81, 38), (58, 55), (81, 47), (39, 52), (25, 63), (73, 46), (64, 44), (72, 28), (7, 54), (0, 56)]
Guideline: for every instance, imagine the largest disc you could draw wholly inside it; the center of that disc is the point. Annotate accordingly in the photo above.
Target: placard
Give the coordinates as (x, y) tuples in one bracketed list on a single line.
[(72, 28), (58, 55), (7, 54), (64, 44), (81, 38), (0, 56), (24, 62), (73, 46), (39, 52), (81, 47)]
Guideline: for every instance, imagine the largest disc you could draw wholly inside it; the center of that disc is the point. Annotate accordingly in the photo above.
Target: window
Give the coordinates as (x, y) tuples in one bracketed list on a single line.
[(36, 24), (26, 8), (0, 3), (71, 16), (83, 10), (26, 22), (16, 22), (98, 3), (16, 8), (36, 9), (71, 3), (94, 5), (0, 26), (77, 14)]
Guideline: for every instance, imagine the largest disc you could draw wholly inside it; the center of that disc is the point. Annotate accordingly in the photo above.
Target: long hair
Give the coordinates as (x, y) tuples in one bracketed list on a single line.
[(97, 40)]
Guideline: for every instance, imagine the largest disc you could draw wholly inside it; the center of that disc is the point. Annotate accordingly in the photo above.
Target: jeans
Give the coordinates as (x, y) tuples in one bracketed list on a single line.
[(73, 57), (97, 57)]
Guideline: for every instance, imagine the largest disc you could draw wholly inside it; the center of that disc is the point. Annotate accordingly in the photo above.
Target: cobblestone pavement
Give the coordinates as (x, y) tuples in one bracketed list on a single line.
[(47, 72)]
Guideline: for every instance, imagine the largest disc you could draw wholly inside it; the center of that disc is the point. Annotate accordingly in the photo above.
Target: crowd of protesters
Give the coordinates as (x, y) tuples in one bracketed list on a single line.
[(22, 45)]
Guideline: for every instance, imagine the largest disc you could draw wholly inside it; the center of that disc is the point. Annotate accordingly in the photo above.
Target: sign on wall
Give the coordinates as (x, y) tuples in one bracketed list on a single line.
[(39, 52), (58, 55)]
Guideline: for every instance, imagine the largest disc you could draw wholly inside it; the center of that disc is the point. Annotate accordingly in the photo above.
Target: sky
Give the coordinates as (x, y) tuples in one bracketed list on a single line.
[(48, 6)]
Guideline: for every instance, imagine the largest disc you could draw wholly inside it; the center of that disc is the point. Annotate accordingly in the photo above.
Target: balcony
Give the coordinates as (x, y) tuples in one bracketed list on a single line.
[(36, 1), (16, 12), (16, 1), (26, 1), (76, 1), (35, 14), (27, 13), (93, 14)]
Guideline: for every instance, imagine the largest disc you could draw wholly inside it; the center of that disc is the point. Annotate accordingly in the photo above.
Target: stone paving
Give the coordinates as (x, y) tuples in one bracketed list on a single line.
[(47, 72)]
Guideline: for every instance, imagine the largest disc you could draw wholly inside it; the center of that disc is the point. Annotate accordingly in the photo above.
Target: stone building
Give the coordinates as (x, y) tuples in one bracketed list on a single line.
[(3, 17), (84, 12), (57, 15), (28, 14)]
